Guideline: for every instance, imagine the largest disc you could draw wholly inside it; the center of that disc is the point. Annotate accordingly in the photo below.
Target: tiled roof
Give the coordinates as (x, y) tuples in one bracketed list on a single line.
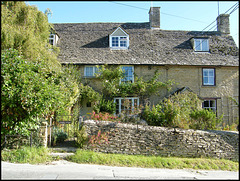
[(88, 43)]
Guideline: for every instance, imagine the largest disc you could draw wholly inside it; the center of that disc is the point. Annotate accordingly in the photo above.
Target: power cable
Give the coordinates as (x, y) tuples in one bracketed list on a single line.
[(160, 12)]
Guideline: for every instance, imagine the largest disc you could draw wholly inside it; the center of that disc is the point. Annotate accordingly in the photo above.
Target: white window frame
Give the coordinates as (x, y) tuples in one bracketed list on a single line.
[(119, 41), (209, 77), (199, 47), (53, 38), (119, 106), (128, 78), (95, 71), (214, 107)]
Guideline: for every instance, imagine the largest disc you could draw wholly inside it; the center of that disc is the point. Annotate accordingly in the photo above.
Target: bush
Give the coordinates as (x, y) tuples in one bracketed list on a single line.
[(183, 111), (105, 106), (81, 137), (58, 136), (204, 119)]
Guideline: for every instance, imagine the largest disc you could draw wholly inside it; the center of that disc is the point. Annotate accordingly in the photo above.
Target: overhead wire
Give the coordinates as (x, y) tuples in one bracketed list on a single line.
[(234, 8), (160, 12)]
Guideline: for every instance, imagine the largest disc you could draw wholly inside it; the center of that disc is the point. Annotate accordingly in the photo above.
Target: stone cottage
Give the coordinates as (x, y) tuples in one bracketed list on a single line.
[(206, 62)]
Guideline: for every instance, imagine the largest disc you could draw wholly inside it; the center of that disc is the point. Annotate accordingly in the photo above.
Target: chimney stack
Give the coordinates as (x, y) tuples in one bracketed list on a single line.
[(223, 24), (154, 17)]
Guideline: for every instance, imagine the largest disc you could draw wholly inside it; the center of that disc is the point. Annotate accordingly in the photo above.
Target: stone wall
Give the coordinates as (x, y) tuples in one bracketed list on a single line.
[(153, 140)]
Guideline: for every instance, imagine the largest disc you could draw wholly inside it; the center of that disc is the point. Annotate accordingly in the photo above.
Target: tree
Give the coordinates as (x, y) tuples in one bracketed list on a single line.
[(33, 83), (26, 29)]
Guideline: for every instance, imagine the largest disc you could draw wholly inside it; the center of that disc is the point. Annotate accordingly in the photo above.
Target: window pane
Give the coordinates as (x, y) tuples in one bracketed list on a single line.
[(205, 80), (197, 45), (211, 81), (89, 71), (212, 103), (205, 72), (204, 45), (123, 42), (206, 104), (211, 72), (115, 41)]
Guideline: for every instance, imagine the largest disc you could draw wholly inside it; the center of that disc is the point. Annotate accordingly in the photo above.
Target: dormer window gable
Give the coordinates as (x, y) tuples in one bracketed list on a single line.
[(119, 39), (200, 44)]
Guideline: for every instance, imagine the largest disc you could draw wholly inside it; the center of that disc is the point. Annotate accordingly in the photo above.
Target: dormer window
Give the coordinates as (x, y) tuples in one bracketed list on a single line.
[(53, 38), (201, 45), (119, 39)]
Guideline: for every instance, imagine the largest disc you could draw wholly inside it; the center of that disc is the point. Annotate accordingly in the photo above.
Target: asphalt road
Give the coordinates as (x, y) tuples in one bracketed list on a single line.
[(64, 170)]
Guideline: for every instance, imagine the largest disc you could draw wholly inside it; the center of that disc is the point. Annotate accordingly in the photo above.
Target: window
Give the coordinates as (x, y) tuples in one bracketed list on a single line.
[(208, 76), (201, 45), (119, 42), (128, 72), (126, 104), (90, 71), (51, 39), (209, 104)]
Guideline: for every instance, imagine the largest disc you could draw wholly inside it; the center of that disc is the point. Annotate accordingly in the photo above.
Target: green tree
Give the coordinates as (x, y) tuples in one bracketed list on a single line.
[(26, 29), (33, 83)]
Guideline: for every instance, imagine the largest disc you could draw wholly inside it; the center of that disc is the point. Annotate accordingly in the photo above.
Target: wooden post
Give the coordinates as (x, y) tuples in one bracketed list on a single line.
[(31, 139), (50, 132)]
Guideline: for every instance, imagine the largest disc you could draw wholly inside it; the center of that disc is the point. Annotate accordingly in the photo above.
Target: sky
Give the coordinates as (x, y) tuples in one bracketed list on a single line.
[(174, 15)]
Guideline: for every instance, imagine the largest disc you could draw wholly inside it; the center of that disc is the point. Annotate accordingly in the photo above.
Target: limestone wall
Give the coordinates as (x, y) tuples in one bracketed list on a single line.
[(152, 140)]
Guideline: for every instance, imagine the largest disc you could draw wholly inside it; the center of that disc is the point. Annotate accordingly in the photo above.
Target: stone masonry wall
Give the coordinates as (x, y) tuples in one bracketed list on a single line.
[(152, 140)]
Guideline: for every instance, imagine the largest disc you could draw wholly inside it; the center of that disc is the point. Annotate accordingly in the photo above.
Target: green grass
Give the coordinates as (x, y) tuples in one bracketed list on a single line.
[(32, 155), (35, 155), (90, 157)]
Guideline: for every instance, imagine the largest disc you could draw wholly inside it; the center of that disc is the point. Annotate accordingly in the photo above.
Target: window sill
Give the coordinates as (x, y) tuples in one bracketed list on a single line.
[(111, 48), (209, 86)]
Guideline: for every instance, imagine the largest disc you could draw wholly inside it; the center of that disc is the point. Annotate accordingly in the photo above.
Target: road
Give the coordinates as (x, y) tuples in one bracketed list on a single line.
[(62, 169)]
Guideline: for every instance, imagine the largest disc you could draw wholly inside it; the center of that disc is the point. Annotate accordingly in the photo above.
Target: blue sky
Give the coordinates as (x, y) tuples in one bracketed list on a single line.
[(174, 15)]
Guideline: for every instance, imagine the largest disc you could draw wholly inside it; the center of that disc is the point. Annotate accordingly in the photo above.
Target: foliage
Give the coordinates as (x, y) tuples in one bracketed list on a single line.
[(90, 157), (103, 116), (111, 77), (81, 137), (26, 29), (31, 155), (98, 139), (28, 93), (87, 93), (105, 106), (183, 111), (204, 119), (58, 135)]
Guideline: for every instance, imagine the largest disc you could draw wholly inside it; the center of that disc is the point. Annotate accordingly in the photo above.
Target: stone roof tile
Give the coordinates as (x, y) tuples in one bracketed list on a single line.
[(88, 43)]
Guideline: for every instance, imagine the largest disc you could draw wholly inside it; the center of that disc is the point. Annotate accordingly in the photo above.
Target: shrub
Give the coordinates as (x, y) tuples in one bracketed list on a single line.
[(58, 136), (204, 119), (105, 106), (81, 137)]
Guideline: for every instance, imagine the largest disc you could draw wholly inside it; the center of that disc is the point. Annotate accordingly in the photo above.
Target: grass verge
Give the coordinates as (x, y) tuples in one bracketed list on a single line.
[(90, 157), (32, 155), (35, 155)]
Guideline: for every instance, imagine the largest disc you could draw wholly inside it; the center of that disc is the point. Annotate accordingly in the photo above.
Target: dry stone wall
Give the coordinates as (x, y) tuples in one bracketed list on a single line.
[(162, 141)]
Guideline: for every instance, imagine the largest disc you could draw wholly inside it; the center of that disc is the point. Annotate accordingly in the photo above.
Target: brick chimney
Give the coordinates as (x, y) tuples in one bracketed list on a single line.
[(223, 24), (154, 17)]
